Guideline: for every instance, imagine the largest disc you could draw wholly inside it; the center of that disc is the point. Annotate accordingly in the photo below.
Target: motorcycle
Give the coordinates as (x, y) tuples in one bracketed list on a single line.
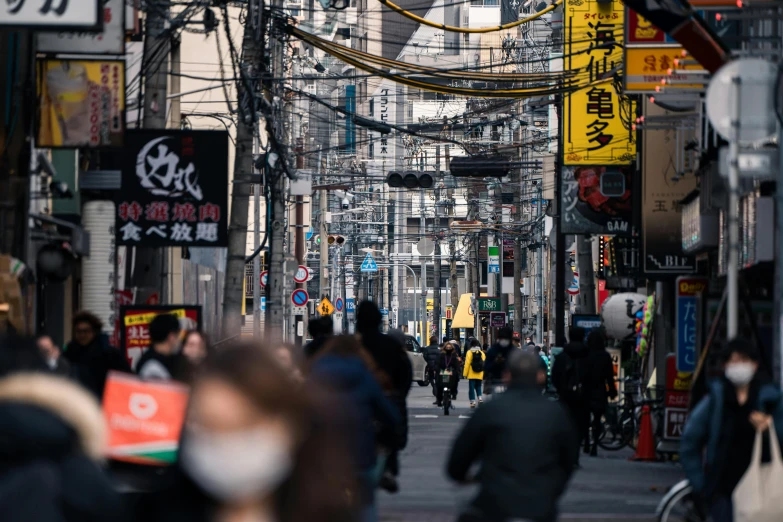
[(445, 380)]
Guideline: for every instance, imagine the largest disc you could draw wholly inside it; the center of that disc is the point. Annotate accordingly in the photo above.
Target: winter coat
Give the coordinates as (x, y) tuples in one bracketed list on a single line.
[(155, 366), (496, 360), (91, 363), (526, 447), (705, 428), (51, 438), (349, 377), (391, 358), (599, 378), (468, 372), (431, 355), (312, 348), (575, 355)]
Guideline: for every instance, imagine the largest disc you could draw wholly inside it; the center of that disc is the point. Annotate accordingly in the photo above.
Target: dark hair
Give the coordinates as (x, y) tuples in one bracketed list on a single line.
[(321, 326), (323, 448), (523, 367), (368, 317), (162, 326), (86, 317), (505, 333), (576, 334), (20, 354), (434, 340), (741, 347), (596, 340), (475, 342), (201, 334)]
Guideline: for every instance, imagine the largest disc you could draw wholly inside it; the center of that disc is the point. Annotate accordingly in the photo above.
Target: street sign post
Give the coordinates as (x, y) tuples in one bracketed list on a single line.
[(300, 297), (302, 274), (350, 306), (369, 264), (325, 307), (493, 253), (264, 278), (338, 304), (497, 319)]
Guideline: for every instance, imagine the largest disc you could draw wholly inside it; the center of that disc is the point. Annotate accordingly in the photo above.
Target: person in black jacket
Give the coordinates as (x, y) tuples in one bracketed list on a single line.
[(448, 360), (601, 386), (90, 354), (526, 447), (431, 355), (498, 355), (321, 330), (162, 360), (570, 377)]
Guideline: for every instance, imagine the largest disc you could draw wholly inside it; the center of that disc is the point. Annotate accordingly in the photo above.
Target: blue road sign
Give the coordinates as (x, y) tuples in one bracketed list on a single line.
[(309, 234), (300, 297), (384, 312), (338, 305), (263, 304), (350, 306), (369, 264)]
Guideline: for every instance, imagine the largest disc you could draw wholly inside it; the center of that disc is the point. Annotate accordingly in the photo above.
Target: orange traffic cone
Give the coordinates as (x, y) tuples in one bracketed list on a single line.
[(645, 447)]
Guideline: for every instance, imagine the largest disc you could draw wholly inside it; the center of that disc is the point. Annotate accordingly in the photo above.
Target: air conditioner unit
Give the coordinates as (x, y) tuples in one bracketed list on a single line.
[(311, 89)]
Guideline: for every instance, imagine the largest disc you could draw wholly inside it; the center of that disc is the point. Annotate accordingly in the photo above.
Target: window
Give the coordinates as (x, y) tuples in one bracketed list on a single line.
[(372, 107)]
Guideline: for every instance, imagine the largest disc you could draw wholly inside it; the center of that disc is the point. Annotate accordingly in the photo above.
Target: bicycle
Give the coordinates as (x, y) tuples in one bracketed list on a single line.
[(621, 420), (445, 379), (679, 505)]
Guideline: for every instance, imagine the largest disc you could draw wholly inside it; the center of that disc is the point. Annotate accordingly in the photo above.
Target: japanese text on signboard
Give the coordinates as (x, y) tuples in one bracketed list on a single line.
[(596, 118), (174, 189)]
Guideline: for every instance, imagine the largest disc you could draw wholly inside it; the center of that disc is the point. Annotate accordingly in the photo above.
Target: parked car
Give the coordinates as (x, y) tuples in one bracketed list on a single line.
[(418, 362)]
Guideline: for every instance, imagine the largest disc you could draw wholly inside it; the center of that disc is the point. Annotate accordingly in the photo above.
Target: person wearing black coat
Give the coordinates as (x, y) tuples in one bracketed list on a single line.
[(51, 440), (525, 445), (570, 376), (600, 386), (448, 360), (497, 356)]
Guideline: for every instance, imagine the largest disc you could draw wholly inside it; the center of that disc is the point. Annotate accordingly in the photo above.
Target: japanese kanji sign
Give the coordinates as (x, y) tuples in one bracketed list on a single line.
[(640, 31), (135, 321), (52, 14), (597, 200), (111, 40), (597, 120), (82, 103), (647, 67), (689, 290), (174, 189), (676, 399)]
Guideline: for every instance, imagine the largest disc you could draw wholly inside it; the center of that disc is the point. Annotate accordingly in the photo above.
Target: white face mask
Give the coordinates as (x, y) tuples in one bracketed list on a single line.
[(740, 374), (51, 363), (236, 466), (504, 342)]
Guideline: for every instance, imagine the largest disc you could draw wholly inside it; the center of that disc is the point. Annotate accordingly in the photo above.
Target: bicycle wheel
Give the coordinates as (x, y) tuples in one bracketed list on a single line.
[(446, 401), (678, 505), (611, 438)]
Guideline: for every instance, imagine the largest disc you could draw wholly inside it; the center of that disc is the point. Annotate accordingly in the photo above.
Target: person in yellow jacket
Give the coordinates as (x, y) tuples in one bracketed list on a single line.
[(474, 372)]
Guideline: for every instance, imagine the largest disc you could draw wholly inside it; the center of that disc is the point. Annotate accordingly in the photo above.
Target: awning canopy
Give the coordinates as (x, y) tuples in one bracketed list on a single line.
[(463, 317)]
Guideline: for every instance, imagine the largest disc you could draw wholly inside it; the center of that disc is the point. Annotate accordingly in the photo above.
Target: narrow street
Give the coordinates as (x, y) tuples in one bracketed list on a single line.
[(609, 487)]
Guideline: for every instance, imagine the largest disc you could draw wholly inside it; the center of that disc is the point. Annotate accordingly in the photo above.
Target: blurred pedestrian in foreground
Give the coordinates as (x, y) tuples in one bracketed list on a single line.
[(448, 362), (474, 373), (525, 445), (321, 330), (90, 354), (162, 360), (392, 359), (340, 367), (195, 348), (255, 448), (601, 386), (725, 422), (285, 355), (52, 436), (431, 355), (53, 356), (570, 377)]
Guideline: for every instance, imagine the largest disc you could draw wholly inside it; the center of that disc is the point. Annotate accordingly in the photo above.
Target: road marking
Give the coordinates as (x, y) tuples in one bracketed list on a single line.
[(426, 416), (464, 416)]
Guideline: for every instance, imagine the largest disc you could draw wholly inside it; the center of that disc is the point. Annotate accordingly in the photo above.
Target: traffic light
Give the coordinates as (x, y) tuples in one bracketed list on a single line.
[(336, 240), (495, 166), (410, 179)]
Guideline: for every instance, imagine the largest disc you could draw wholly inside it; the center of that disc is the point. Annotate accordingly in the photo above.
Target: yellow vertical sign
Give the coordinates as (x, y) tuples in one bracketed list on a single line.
[(597, 121)]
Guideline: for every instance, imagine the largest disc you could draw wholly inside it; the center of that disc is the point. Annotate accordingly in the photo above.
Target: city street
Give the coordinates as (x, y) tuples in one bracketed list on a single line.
[(608, 487)]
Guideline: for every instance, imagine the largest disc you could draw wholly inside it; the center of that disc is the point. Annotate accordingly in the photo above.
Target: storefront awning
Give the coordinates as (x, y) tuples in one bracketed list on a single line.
[(463, 318)]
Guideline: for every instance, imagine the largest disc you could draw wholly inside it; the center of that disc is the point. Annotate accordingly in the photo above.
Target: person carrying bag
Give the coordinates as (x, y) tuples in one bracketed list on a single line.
[(759, 495)]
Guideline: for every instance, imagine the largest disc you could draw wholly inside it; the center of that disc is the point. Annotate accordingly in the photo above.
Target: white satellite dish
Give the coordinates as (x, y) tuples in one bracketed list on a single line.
[(756, 87)]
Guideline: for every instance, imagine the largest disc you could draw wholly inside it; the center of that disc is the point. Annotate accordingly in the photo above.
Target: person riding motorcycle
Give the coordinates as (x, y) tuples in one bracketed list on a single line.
[(448, 360)]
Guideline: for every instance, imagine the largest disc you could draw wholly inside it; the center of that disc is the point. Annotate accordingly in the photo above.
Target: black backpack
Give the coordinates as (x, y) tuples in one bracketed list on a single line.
[(572, 379), (477, 362)]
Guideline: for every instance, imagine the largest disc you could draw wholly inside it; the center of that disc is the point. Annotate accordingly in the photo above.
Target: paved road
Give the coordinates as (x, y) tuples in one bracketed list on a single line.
[(608, 487)]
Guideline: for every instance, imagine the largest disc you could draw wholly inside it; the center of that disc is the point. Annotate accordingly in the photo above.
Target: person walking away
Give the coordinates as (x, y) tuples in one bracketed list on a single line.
[(339, 366), (529, 342), (601, 387), (431, 355), (448, 362), (570, 377), (256, 448), (52, 435), (321, 330), (53, 356), (474, 373), (497, 356), (90, 355), (392, 359), (162, 360), (717, 444), (525, 445)]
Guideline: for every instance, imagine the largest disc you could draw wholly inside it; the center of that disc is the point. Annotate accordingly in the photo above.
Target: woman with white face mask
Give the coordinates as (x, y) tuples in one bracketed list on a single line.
[(725, 423), (255, 448)]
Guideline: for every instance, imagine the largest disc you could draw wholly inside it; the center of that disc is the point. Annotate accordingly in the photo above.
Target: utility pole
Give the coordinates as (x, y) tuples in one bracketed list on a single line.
[(540, 268), (584, 252), (240, 191), (436, 298), (423, 234), (256, 282), (149, 261), (453, 284), (323, 202), (299, 248)]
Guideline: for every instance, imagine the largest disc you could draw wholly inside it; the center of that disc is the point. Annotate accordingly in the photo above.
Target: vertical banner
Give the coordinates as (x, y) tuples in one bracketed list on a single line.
[(666, 180), (597, 200), (689, 290), (597, 119), (676, 399)]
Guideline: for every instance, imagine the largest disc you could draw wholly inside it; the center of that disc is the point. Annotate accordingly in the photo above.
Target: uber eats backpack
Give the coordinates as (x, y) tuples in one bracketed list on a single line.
[(477, 362)]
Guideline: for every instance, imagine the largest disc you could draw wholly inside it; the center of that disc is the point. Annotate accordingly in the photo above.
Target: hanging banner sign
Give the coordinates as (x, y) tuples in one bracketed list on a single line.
[(135, 322), (689, 290), (597, 200), (647, 67), (52, 14), (640, 31), (111, 40), (597, 119), (174, 189), (82, 103)]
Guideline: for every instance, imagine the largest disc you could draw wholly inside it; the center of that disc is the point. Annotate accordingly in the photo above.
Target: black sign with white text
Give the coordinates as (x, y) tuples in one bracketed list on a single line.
[(174, 189)]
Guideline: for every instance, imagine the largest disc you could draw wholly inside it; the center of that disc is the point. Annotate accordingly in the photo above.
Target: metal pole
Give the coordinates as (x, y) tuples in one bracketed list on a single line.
[(323, 234), (396, 272), (256, 282), (423, 233), (540, 271), (436, 259), (732, 274)]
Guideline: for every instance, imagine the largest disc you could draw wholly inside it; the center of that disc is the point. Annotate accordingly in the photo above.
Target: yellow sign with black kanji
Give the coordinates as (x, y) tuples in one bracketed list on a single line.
[(597, 120), (325, 307), (647, 67)]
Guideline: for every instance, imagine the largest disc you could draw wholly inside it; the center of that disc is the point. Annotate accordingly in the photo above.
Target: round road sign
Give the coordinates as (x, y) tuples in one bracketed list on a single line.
[(301, 275), (573, 288), (338, 305), (264, 278), (300, 297)]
